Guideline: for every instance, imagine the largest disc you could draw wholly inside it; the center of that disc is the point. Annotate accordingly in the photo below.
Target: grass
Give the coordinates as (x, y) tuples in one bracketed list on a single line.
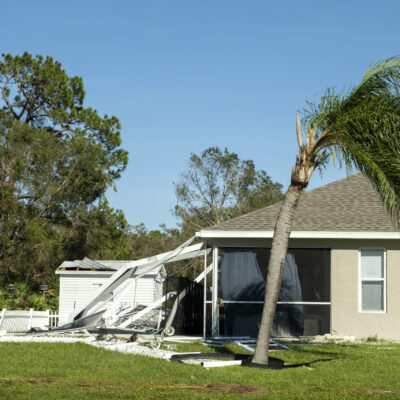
[(79, 371)]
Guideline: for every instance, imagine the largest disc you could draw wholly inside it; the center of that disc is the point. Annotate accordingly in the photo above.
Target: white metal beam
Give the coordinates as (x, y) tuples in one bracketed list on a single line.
[(140, 314), (147, 264), (166, 297), (214, 297), (105, 292), (181, 295), (205, 297), (216, 364)]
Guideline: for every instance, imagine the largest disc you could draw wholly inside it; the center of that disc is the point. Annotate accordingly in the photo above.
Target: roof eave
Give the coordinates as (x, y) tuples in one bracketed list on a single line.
[(242, 234), (83, 272)]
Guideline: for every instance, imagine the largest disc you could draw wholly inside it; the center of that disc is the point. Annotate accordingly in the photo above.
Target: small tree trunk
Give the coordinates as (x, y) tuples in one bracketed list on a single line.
[(275, 270)]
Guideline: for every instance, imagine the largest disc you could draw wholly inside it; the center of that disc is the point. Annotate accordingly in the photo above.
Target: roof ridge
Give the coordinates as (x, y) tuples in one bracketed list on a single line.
[(244, 215), (335, 182)]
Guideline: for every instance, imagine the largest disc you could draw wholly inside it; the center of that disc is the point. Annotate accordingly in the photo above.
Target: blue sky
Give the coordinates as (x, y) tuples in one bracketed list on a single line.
[(185, 75)]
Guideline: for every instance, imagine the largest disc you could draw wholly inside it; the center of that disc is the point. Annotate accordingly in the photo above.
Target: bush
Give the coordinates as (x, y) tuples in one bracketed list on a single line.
[(24, 298)]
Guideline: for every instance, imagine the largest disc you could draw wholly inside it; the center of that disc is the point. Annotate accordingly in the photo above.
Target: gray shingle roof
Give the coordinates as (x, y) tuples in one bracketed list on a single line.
[(350, 204)]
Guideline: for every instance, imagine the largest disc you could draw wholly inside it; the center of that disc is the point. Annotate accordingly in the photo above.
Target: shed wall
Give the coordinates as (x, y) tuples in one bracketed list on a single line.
[(77, 289)]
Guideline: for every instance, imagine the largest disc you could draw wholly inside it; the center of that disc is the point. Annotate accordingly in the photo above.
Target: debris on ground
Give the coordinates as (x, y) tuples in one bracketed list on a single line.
[(217, 360), (333, 338), (135, 348)]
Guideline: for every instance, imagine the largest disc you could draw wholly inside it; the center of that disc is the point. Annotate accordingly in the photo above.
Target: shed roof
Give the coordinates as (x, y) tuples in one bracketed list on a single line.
[(347, 205), (101, 265)]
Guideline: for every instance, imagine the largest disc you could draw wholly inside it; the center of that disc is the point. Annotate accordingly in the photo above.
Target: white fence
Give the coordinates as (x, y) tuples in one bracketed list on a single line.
[(56, 320), (23, 321)]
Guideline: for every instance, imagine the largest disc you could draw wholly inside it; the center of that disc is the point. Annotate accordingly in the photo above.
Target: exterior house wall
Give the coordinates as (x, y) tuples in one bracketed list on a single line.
[(346, 319)]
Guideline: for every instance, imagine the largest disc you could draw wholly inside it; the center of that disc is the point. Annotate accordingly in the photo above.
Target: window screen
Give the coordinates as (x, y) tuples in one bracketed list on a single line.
[(372, 279)]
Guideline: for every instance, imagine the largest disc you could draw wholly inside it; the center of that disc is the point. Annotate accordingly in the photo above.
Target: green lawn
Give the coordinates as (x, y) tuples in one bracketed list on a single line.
[(79, 371)]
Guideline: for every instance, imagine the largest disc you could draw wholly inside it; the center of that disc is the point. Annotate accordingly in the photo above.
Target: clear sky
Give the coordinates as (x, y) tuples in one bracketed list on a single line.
[(185, 75)]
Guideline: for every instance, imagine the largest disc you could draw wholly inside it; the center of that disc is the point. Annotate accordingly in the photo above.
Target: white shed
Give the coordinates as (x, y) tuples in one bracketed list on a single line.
[(79, 279)]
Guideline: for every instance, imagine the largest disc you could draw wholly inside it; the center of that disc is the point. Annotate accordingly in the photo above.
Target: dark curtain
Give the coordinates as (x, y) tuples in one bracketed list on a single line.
[(241, 280)]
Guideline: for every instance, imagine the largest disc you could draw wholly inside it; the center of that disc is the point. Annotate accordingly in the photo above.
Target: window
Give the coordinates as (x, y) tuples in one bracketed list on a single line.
[(372, 286)]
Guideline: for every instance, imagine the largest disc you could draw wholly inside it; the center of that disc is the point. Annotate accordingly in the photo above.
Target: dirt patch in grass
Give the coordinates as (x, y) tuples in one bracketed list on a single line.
[(5, 381), (228, 388), (111, 385), (221, 388)]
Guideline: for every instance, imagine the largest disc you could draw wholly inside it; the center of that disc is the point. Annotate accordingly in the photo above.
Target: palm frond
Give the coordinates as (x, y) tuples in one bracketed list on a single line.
[(362, 128)]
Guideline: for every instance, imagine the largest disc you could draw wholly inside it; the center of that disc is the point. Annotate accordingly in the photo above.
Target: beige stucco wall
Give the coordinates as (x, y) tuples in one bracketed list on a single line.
[(345, 316)]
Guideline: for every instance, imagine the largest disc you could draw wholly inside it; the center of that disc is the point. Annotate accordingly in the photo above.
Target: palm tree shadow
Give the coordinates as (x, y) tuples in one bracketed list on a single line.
[(315, 352), (306, 364), (221, 349)]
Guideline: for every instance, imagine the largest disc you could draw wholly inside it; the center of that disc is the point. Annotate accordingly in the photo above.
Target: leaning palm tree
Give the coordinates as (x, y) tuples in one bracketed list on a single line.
[(360, 129)]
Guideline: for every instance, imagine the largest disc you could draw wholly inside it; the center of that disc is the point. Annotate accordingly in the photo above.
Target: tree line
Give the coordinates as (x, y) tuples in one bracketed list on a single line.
[(58, 157)]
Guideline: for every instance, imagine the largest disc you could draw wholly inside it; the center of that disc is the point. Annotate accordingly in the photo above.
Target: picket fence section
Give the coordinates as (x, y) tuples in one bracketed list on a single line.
[(56, 320), (13, 321)]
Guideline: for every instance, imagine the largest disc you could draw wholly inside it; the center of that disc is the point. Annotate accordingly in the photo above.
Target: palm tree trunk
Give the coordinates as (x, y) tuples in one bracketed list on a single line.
[(275, 269)]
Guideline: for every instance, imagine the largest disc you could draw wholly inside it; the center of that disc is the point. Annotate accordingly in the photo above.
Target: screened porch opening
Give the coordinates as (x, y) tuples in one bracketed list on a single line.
[(304, 305)]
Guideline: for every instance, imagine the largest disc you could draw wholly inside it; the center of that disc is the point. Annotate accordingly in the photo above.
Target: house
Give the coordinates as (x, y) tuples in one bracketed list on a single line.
[(81, 279), (342, 272)]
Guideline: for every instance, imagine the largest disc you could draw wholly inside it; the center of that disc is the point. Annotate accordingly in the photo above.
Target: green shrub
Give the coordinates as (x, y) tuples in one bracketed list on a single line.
[(23, 298)]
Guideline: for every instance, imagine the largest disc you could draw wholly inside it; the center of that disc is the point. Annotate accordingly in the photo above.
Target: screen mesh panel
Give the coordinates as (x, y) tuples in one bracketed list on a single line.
[(306, 278)]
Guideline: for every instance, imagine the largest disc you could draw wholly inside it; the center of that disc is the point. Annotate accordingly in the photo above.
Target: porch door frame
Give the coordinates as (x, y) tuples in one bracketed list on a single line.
[(214, 298)]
